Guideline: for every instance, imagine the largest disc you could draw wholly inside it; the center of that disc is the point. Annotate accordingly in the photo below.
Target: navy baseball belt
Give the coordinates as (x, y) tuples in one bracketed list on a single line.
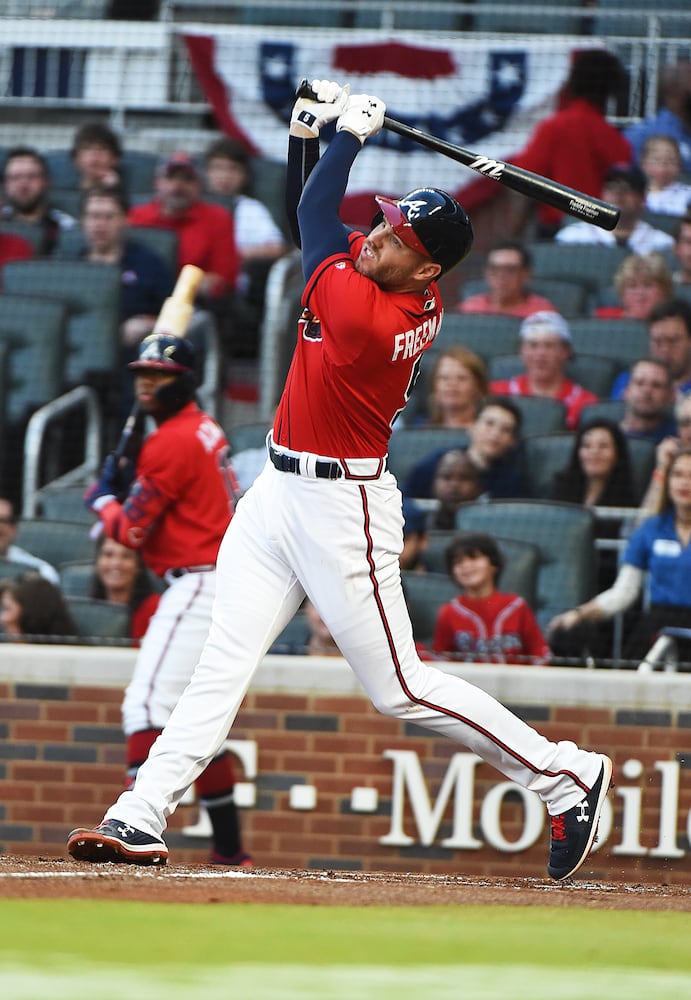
[(323, 469), (315, 467)]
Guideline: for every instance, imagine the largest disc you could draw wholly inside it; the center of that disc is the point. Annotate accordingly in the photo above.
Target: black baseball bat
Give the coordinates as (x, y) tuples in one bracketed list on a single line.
[(568, 200)]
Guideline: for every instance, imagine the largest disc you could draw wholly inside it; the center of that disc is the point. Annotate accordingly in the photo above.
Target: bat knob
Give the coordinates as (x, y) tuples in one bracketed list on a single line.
[(304, 89)]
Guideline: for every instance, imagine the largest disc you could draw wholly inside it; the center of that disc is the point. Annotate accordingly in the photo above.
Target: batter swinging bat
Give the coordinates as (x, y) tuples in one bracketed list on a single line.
[(566, 199)]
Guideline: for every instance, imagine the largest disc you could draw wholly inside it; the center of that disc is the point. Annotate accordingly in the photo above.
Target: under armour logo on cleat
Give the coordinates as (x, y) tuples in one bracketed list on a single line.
[(125, 830), (582, 815)]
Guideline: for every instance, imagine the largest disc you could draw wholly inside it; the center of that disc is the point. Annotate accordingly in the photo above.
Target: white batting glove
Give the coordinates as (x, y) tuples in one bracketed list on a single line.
[(363, 116), (330, 103)]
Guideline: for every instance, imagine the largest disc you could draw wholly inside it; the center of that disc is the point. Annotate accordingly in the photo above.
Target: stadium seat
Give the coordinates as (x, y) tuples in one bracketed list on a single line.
[(245, 436), (31, 232), (99, 620), (424, 594), (164, 242), (517, 21), (546, 454), (33, 331), (590, 264), (91, 294), (55, 541), (609, 409), (9, 569), (65, 503), (564, 535), (540, 414), (621, 340), (411, 444), (486, 334)]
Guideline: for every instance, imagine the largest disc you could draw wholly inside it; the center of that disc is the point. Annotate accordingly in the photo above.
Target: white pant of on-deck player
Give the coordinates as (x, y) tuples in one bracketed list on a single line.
[(337, 541), (169, 652)]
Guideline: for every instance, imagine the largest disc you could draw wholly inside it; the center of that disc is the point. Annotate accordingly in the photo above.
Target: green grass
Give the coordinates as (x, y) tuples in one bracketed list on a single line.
[(217, 934), (79, 949)]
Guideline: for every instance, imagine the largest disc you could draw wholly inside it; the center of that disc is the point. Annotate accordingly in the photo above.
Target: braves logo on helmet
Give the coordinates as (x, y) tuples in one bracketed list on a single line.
[(165, 353), (431, 222)]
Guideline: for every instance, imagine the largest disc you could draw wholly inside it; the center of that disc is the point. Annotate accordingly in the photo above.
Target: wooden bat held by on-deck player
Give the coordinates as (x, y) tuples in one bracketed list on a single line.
[(174, 319), (566, 199)]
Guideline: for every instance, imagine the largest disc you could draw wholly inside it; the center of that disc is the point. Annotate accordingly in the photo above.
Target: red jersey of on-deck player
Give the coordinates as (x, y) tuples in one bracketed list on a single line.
[(180, 504), (355, 362)]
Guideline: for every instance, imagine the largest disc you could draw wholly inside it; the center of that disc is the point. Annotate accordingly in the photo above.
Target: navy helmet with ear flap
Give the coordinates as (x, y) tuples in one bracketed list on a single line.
[(164, 352), (432, 222)]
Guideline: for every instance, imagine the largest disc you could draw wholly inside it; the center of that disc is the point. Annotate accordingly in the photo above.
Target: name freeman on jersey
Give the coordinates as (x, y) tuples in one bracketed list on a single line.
[(409, 344)]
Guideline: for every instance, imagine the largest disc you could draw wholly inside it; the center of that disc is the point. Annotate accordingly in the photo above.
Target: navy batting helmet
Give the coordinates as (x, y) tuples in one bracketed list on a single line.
[(432, 222), (165, 353)]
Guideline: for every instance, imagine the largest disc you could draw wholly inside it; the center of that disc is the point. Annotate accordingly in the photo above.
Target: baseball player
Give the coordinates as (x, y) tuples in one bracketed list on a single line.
[(176, 511), (323, 518)]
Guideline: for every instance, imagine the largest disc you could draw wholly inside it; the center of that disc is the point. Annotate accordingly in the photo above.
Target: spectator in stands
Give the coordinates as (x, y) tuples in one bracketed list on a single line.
[(259, 240), (576, 145), (598, 474), (15, 554), (147, 279), (483, 624), (661, 164), (546, 348), (641, 283), (669, 329), (33, 607), (673, 116), (507, 273), (458, 384), (494, 448), (625, 187), (228, 173), (13, 248), (206, 235), (659, 547), (96, 154), (682, 251), (415, 537), (26, 197), (456, 481), (120, 577), (665, 452), (649, 401)]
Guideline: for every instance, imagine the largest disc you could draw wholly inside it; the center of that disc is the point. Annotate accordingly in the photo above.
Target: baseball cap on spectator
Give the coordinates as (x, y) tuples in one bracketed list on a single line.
[(179, 161), (630, 173), (545, 322)]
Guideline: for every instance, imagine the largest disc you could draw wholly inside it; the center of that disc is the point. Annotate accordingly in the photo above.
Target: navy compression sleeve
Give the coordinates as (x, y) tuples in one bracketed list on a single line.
[(323, 234), (303, 155)]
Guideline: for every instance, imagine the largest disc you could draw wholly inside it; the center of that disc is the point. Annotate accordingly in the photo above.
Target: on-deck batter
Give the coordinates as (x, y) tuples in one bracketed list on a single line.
[(176, 511), (324, 517)]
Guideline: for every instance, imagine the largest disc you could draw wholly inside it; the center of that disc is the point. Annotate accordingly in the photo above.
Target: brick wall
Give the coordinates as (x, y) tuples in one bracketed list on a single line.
[(62, 752)]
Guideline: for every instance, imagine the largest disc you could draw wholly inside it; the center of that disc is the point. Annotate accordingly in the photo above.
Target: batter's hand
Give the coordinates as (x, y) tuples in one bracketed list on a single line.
[(331, 102), (363, 116)]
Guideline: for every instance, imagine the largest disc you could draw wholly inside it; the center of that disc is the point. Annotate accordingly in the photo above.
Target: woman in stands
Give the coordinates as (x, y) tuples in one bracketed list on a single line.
[(598, 474), (483, 624), (120, 577), (458, 383), (34, 608), (641, 283), (659, 547)]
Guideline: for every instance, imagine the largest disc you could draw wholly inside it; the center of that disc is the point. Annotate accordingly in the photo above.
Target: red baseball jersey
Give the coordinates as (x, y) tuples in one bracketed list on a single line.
[(181, 502), (573, 396), (356, 361), (500, 628)]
